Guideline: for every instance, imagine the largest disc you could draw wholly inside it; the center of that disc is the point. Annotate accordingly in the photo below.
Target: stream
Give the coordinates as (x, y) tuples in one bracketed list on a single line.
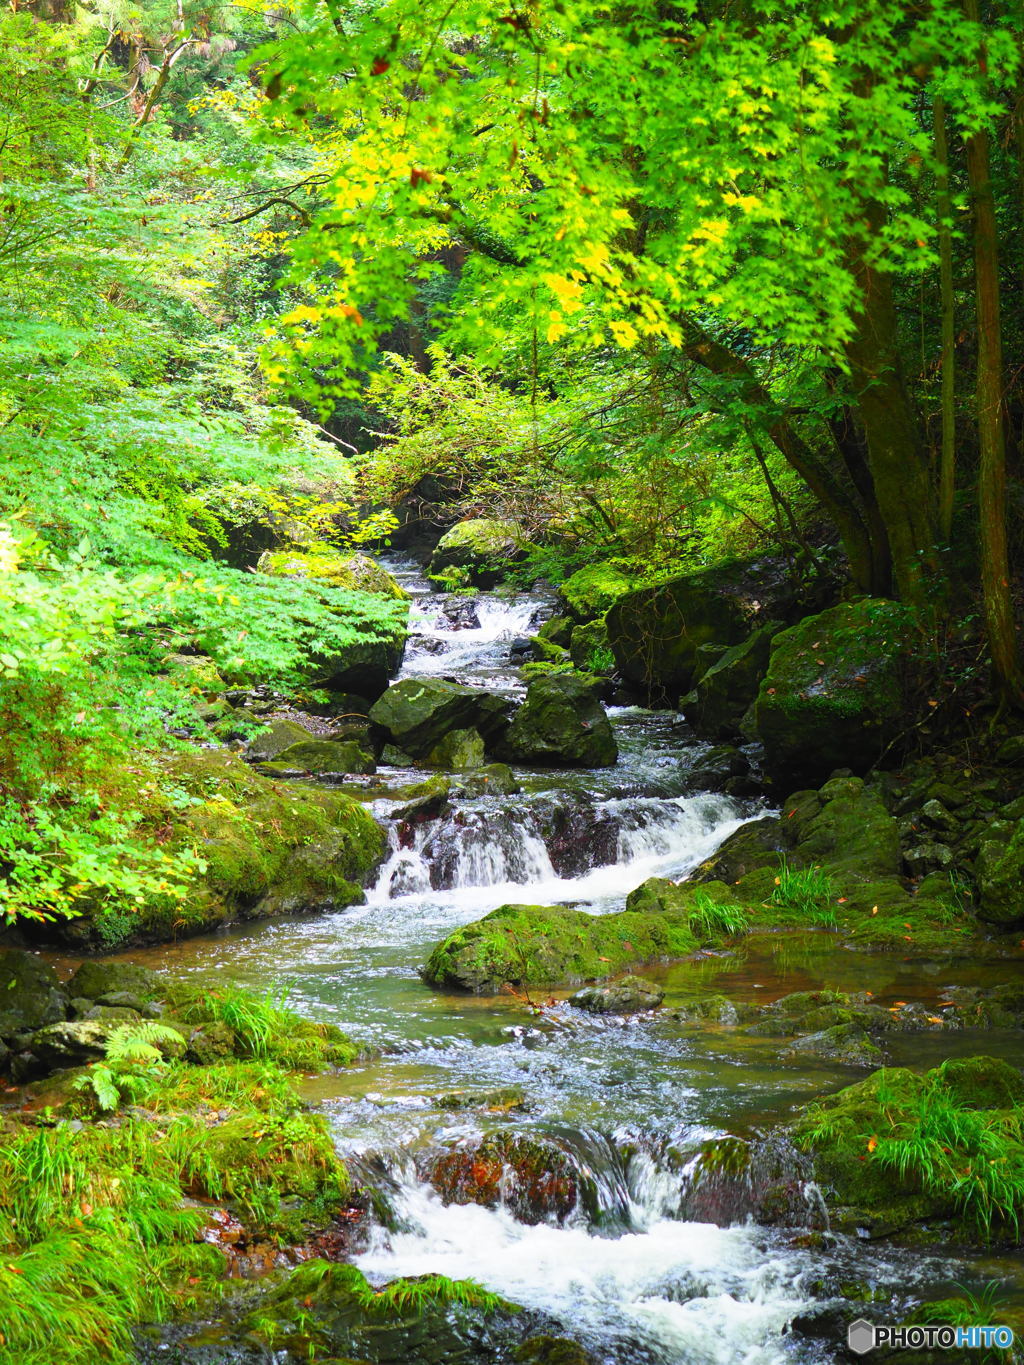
[(631, 1272)]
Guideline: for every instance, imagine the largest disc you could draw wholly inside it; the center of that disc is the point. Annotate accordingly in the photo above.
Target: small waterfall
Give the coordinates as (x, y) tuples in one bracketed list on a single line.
[(620, 1271), (562, 845)]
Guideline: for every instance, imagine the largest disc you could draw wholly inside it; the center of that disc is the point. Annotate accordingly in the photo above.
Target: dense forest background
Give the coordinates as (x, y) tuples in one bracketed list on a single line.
[(662, 284)]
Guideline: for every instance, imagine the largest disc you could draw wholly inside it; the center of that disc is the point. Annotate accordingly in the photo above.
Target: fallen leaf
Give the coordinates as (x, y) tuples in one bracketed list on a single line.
[(872, 1143), (874, 909)]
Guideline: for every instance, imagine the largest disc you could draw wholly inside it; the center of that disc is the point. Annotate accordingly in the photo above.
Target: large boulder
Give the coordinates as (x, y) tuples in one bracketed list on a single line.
[(320, 756), (655, 632), (417, 713), (835, 695), (280, 734), (1000, 873), (484, 550), (589, 649), (335, 568), (538, 945), (724, 692), (560, 723), (30, 994)]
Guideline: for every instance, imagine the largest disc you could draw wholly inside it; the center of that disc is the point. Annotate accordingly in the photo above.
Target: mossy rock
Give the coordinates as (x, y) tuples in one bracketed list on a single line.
[(197, 672), (591, 591), (318, 756), (848, 827), (557, 630), (724, 690), (897, 1149), (589, 649), (532, 945), (560, 724), (628, 995), (417, 713), (845, 1044), (279, 735), (98, 978), (1000, 873), (655, 632), (31, 996), (835, 694), (458, 751), (325, 1310), (484, 548), (324, 564), (551, 1351), (494, 779), (527, 1173)]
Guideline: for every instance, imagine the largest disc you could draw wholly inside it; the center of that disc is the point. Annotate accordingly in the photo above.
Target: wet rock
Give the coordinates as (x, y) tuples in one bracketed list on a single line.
[(431, 800), (557, 630), (457, 751), (767, 1180), (460, 613), (113, 1014), (394, 757), (526, 1173), (835, 692), (711, 1009), (528, 945), (427, 1319), (847, 1044), (319, 756), (629, 995), (521, 650), (551, 1351), (722, 694), (753, 846), (483, 548), (655, 632), (1011, 751), (416, 713), (275, 739), (560, 724), (814, 1011), (30, 993), (493, 779), (99, 980), (505, 1101), (713, 770)]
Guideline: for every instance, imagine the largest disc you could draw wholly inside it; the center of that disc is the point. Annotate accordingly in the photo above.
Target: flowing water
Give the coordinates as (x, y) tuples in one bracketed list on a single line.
[(636, 1269)]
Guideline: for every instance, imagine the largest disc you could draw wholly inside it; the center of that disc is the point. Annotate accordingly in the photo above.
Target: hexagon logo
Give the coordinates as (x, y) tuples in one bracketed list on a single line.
[(860, 1336)]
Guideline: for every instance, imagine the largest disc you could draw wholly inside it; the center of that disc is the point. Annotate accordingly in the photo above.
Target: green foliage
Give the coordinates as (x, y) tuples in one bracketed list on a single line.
[(711, 919), (808, 890), (975, 1156)]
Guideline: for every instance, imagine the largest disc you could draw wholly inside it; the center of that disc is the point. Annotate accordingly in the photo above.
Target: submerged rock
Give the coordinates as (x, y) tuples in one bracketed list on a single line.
[(417, 713), (533, 945), (560, 724), (483, 548), (630, 995)]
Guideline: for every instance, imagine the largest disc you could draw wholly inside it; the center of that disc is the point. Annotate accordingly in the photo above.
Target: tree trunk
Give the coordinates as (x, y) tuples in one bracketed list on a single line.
[(896, 453), (944, 206), (995, 567)]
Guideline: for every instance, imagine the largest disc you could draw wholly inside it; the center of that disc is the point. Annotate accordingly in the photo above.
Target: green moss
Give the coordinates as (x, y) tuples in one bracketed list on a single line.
[(898, 1148), (592, 590), (483, 550), (268, 848), (321, 562), (531, 945)]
